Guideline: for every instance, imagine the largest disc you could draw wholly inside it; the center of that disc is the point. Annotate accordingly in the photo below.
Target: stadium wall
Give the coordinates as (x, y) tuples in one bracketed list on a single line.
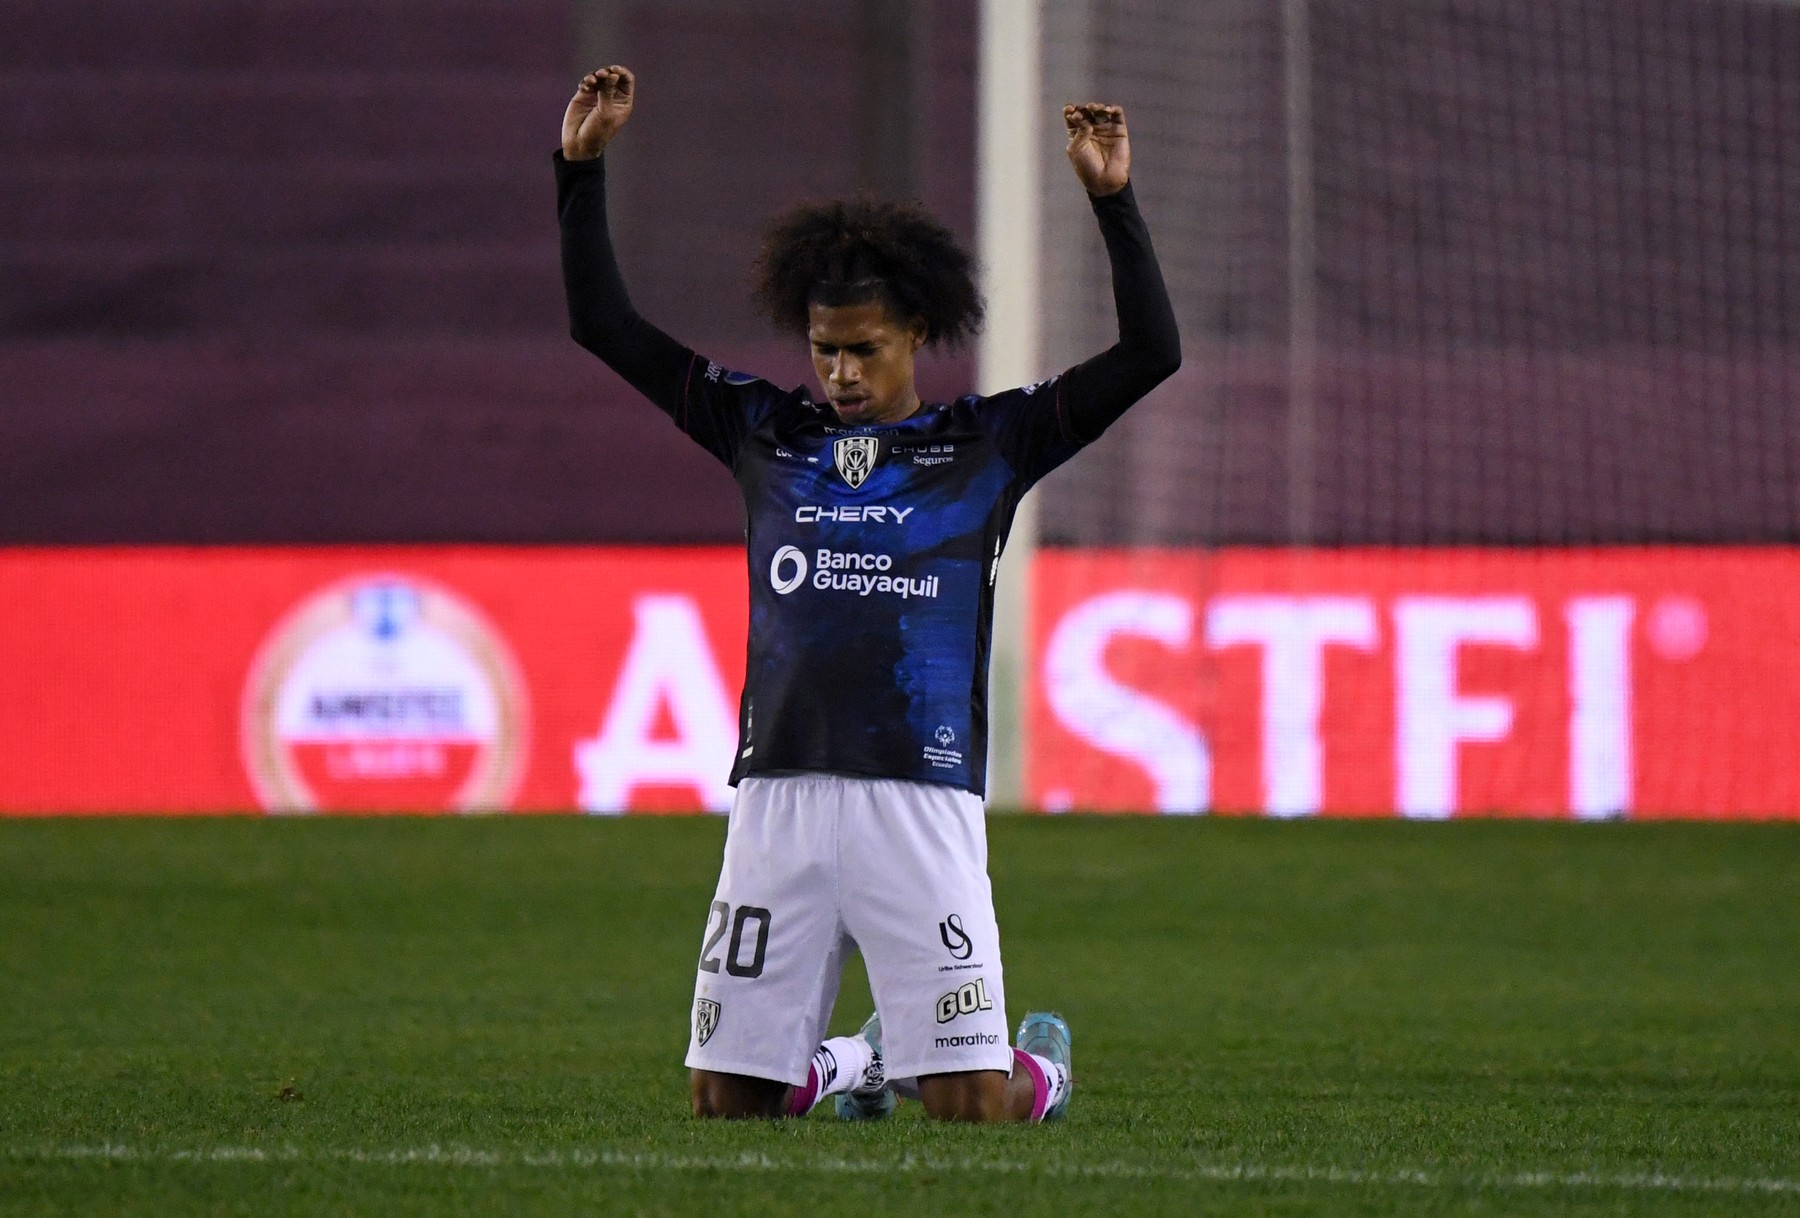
[(1655, 682)]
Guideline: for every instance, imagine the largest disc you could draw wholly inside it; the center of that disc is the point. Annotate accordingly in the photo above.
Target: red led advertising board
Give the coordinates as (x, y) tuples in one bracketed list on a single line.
[(369, 679), (1641, 682)]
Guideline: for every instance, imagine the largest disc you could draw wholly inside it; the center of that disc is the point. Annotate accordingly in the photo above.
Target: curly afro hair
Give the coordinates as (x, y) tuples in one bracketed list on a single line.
[(858, 250)]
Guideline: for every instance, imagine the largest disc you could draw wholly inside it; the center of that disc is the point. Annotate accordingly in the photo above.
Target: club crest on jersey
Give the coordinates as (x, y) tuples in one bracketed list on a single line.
[(706, 1019), (855, 457)]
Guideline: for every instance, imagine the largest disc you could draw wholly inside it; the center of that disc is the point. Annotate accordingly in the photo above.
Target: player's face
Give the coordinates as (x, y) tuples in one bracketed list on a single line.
[(864, 361)]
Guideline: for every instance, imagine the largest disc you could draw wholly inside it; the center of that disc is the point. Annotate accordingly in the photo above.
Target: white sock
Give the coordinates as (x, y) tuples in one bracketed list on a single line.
[(837, 1065), (1057, 1076), (1056, 1080)]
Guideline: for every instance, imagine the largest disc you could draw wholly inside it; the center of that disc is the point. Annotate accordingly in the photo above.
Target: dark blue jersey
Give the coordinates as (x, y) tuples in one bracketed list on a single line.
[(873, 550)]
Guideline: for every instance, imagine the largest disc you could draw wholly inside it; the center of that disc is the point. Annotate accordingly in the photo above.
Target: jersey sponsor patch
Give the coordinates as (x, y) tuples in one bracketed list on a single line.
[(873, 513), (854, 571), (715, 373), (928, 454), (943, 756)]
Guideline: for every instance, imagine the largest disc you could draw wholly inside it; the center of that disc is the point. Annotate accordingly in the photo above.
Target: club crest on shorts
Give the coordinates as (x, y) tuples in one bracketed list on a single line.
[(706, 1019), (855, 457)]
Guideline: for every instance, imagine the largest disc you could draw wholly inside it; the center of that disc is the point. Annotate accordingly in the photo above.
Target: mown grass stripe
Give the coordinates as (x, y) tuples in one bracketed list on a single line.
[(580, 1158)]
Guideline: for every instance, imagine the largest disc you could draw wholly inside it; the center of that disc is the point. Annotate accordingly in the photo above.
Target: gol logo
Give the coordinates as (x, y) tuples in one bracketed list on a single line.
[(383, 694), (964, 1000)]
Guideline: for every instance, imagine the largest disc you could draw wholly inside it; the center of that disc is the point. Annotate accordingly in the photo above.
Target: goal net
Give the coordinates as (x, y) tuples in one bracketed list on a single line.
[(1477, 490)]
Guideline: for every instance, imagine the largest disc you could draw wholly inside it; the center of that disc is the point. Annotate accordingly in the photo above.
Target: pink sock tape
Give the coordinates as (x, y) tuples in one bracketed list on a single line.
[(806, 1094), (1040, 1083)]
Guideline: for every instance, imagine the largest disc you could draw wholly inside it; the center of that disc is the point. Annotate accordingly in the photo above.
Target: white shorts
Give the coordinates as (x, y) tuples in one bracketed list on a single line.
[(819, 864)]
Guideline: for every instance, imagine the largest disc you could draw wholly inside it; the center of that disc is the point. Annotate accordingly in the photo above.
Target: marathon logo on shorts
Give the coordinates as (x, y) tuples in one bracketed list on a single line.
[(706, 1019), (970, 1041)]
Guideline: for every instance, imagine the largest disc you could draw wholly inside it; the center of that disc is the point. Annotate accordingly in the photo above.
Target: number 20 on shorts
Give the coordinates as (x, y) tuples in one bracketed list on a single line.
[(720, 917)]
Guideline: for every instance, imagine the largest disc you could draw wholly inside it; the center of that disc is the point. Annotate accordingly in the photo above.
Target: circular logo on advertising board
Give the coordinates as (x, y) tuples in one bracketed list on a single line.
[(383, 693)]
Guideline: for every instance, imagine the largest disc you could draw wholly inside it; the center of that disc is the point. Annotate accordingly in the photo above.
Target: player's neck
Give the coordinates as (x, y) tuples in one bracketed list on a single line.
[(910, 406), (905, 407)]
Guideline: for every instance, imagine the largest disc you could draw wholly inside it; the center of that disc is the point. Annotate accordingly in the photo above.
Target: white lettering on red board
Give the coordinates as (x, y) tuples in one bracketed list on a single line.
[(1293, 633), (1431, 718), (1600, 754), (669, 663), (1434, 717), (1116, 718)]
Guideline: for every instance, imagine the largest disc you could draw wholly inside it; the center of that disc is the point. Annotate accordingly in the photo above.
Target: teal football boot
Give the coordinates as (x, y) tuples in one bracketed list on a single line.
[(876, 1100), (1045, 1034)]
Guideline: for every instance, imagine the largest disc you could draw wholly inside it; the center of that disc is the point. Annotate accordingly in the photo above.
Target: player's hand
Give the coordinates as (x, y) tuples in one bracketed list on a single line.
[(1098, 147), (601, 104)]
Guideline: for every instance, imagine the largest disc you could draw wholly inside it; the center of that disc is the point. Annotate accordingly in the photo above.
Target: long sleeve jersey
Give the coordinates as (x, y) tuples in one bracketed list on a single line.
[(873, 549)]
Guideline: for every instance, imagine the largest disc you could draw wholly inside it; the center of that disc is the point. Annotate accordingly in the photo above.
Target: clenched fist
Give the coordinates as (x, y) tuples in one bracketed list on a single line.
[(1098, 147), (601, 104)]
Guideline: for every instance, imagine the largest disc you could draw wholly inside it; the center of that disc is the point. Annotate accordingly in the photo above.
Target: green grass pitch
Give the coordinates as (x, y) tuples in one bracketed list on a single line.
[(488, 1016)]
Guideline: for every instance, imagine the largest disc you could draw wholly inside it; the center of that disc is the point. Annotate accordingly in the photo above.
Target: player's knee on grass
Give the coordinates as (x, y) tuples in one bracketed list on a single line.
[(977, 1095), (737, 1095)]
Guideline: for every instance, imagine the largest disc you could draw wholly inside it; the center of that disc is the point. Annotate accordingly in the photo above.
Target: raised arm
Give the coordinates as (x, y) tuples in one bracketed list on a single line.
[(602, 104), (1099, 390), (712, 406), (1038, 427), (601, 316)]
